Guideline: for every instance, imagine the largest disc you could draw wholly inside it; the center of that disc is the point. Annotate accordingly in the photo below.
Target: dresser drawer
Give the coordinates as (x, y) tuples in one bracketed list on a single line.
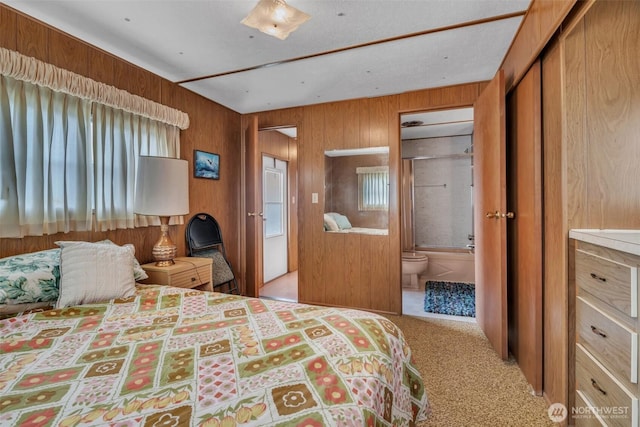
[(191, 278), (614, 403), (612, 282), (584, 415), (607, 340)]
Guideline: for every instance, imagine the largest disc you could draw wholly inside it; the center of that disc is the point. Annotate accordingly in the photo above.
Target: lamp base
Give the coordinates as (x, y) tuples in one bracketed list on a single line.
[(164, 251)]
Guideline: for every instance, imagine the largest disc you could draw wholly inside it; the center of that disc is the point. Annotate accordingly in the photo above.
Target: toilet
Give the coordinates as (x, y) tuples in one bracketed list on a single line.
[(413, 264)]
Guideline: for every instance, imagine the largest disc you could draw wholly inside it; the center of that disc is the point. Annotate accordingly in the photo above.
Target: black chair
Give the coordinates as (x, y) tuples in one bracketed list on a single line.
[(204, 239)]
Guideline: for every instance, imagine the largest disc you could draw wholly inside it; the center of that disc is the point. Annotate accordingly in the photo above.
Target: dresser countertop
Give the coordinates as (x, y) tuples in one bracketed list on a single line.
[(622, 240)]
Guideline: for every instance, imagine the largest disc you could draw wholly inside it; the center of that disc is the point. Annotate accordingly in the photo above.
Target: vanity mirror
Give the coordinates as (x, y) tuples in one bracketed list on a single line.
[(357, 191)]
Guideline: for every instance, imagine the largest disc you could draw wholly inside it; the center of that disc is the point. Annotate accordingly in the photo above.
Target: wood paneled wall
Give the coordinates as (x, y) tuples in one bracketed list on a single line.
[(538, 26), (274, 143), (354, 270), (213, 128), (591, 123)]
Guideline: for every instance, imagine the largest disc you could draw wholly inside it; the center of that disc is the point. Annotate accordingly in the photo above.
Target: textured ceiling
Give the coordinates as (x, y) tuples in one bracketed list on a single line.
[(348, 49)]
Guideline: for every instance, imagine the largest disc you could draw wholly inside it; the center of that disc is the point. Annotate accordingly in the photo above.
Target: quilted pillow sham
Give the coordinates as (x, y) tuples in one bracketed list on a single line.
[(29, 278)]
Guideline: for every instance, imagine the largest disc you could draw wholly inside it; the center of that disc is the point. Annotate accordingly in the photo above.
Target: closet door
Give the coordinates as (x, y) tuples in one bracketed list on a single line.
[(524, 171)]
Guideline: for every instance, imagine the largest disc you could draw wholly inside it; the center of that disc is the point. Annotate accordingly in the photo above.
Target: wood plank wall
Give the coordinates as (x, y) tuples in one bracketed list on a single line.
[(591, 123), (213, 128), (540, 23), (354, 270)]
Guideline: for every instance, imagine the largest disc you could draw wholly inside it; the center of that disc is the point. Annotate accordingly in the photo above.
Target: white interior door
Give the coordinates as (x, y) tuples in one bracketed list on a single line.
[(274, 211)]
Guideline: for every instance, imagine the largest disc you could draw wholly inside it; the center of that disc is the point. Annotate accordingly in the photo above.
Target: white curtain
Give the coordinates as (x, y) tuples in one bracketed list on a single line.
[(25, 68), (45, 157), (373, 188), (119, 137), (61, 157)]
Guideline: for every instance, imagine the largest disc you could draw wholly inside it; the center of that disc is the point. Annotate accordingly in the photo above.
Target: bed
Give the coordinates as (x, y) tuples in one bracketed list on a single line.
[(363, 230), (183, 357), (337, 223)]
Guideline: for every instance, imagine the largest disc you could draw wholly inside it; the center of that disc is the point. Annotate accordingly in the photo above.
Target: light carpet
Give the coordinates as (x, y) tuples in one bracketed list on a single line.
[(467, 383)]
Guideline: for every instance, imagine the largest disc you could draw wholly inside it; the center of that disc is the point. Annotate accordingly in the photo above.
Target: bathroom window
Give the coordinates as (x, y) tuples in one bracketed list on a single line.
[(373, 188)]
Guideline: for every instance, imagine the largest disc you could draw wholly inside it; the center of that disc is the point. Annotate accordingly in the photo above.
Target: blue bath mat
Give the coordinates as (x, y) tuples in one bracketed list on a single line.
[(453, 298)]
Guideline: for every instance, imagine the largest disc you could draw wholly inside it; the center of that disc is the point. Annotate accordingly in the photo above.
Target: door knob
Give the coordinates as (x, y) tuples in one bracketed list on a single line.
[(251, 214), (498, 215)]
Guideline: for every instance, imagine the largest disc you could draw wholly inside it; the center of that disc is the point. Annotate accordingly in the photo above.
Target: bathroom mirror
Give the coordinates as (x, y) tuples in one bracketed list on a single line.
[(437, 179), (356, 188)]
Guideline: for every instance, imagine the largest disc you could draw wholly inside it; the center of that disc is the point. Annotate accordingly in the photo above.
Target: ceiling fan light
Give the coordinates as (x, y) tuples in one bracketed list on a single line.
[(275, 17)]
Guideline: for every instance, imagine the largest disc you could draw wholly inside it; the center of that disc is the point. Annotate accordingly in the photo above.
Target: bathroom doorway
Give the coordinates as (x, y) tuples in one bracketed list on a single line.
[(437, 212)]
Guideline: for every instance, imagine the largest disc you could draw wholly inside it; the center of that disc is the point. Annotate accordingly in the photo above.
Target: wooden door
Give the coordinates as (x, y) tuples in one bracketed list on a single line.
[(524, 171), (254, 209), (489, 175)]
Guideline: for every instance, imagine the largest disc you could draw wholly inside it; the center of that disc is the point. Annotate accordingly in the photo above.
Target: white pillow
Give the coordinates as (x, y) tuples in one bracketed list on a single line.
[(138, 272), (94, 272), (330, 223)]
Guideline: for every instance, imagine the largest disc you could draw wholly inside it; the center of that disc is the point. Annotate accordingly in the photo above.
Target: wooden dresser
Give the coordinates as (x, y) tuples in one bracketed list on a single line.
[(606, 327)]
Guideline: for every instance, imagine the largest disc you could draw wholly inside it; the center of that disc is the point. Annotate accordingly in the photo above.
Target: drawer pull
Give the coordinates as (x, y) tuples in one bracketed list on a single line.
[(598, 331), (595, 276), (595, 385), (193, 279)]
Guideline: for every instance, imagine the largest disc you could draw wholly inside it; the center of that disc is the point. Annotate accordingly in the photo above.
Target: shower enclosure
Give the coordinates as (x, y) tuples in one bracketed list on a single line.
[(441, 170)]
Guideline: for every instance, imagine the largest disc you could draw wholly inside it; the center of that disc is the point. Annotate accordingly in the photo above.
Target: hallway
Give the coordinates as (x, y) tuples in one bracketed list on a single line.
[(283, 288)]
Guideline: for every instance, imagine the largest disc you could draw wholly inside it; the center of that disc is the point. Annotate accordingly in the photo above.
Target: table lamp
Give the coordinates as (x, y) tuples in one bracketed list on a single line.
[(162, 189)]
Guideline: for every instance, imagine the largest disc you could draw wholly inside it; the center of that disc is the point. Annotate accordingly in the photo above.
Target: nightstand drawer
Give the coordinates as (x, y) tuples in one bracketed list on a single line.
[(602, 390), (614, 283), (187, 272), (191, 278), (608, 340)]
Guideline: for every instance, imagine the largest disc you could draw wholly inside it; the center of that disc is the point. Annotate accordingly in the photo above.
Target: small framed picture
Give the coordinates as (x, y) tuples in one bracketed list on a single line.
[(206, 165)]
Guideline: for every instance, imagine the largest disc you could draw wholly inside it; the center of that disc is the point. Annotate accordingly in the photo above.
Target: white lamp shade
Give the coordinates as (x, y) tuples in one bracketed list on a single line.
[(162, 186)]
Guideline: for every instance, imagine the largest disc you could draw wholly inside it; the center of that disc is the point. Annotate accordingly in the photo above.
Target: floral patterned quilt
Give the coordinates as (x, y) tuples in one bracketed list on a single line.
[(179, 357)]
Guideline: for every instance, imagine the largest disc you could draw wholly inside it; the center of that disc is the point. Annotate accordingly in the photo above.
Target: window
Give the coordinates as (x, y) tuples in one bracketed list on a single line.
[(62, 158), (373, 188)]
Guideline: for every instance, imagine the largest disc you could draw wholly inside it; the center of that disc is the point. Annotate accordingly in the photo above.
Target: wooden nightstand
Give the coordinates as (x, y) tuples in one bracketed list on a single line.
[(187, 272)]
